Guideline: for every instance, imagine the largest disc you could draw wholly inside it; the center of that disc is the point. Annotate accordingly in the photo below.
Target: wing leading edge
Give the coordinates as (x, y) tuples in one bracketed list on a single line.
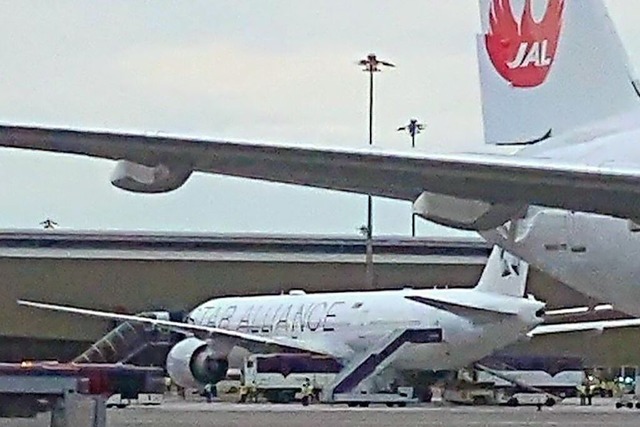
[(594, 326), (604, 189), (282, 343)]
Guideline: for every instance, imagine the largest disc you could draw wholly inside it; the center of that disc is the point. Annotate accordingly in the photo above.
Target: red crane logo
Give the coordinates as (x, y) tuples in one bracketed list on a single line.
[(523, 52)]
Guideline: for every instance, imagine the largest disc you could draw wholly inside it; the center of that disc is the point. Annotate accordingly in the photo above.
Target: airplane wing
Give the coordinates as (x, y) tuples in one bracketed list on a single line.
[(605, 189), (596, 326), (242, 339), (577, 311)]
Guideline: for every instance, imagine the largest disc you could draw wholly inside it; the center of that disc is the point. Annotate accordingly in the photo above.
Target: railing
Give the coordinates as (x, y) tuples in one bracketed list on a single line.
[(364, 366), (124, 342)]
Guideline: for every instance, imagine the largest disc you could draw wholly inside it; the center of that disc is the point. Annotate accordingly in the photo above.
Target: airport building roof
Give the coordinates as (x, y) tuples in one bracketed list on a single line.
[(239, 247)]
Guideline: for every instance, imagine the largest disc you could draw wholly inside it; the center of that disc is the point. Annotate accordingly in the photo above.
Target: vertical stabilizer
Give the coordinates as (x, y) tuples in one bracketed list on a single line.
[(504, 274), (550, 66)]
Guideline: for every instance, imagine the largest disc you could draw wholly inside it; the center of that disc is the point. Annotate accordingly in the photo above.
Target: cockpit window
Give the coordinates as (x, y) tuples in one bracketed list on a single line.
[(357, 305)]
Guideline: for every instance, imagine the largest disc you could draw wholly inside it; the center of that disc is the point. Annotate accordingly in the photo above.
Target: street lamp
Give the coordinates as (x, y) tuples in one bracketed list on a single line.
[(49, 224), (371, 65), (413, 129)]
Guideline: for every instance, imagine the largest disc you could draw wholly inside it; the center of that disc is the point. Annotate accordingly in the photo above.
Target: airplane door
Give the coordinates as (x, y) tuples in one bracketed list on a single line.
[(359, 314)]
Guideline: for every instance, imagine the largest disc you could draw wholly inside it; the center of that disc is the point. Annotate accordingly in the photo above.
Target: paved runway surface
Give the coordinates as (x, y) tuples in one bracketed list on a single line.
[(175, 414)]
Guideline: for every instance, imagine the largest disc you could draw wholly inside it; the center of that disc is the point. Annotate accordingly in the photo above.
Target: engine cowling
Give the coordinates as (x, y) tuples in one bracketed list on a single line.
[(192, 364), (139, 178), (464, 214)]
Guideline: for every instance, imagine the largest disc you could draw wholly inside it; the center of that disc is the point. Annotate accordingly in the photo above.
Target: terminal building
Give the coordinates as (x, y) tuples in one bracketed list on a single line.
[(135, 272)]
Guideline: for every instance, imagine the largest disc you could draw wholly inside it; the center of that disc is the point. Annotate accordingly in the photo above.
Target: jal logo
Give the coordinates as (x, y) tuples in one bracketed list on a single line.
[(523, 52)]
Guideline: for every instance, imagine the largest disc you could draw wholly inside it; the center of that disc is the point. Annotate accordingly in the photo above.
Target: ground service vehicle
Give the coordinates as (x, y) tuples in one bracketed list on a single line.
[(517, 380), (145, 399), (279, 377)]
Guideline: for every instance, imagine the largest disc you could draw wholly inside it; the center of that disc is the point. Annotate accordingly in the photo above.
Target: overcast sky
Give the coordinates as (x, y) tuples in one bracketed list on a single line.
[(252, 70)]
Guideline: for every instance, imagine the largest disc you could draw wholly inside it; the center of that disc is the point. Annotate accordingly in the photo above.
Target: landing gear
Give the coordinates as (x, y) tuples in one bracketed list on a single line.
[(356, 404), (513, 402), (280, 396), (480, 401), (424, 393)]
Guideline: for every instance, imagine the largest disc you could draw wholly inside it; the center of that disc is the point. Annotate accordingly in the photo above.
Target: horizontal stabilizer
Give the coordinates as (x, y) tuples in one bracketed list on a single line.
[(472, 311)]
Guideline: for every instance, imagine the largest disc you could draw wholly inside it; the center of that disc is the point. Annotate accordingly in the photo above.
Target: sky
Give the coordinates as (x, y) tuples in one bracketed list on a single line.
[(282, 71)]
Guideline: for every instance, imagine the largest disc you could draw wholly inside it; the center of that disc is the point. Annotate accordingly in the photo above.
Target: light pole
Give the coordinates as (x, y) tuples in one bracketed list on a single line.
[(371, 65), (48, 224), (413, 129)]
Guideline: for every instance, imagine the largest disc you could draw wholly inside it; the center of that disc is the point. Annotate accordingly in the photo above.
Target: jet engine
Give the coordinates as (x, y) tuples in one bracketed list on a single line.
[(191, 364), (139, 178)]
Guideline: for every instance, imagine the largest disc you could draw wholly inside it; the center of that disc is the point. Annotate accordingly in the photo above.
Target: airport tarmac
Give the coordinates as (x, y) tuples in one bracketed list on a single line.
[(177, 413)]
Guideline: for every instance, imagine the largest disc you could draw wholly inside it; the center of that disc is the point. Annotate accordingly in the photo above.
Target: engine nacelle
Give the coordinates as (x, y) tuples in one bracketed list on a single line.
[(466, 214), (192, 364), (149, 179)]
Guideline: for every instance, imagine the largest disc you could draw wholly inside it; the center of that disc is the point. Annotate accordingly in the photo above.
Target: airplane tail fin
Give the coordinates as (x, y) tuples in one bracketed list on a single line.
[(550, 66), (504, 274)]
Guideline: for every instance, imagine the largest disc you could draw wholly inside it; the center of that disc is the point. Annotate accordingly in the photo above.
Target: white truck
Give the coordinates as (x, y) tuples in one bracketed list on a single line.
[(144, 399), (279, 377)]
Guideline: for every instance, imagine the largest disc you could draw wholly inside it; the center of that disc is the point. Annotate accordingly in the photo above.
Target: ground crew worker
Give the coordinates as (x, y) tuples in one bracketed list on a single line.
[(252, 392), (592, 385), (586, 390), (307, 392), (182, 392), (591, 388), (208, 392), (244, 392), (582, 393)]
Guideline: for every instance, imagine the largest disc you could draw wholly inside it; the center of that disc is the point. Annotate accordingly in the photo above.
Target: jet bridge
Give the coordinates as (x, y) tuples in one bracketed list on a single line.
[(354, 383)]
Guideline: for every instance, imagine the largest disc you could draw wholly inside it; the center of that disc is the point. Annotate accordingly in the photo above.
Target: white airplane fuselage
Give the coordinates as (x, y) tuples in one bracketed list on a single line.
[(355, 321), (594, 254)]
